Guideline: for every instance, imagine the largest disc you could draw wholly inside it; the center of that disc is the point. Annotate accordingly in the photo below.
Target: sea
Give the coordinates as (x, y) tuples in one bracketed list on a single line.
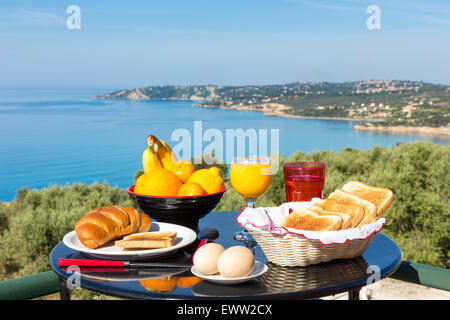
[(65, 136)]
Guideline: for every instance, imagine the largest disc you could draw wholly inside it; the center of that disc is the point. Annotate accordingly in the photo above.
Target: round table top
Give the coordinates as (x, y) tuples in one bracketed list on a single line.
[(381, 259)]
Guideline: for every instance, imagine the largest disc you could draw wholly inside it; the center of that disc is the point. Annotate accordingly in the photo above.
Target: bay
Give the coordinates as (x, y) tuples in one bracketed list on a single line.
[(65, 136)]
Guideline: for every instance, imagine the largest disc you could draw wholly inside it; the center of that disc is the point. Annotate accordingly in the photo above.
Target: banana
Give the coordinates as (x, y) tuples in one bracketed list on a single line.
[(150, 160), (173, 157), (164, 152)]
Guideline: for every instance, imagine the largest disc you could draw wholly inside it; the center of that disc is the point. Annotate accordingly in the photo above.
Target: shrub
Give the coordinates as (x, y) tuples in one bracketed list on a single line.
[(38, 220)]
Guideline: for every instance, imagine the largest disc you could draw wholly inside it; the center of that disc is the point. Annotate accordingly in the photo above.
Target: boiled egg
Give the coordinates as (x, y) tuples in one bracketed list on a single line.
[(236, 262), (206, 257)]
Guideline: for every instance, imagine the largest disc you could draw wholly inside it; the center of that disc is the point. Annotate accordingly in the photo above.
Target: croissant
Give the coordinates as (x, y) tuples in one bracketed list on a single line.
[(105, 224)]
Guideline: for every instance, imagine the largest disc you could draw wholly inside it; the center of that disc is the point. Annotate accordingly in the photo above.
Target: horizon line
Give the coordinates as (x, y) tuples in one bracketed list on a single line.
[(207, 84)]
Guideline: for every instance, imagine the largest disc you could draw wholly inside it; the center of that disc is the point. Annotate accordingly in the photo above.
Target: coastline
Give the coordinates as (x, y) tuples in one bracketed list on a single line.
[(281, 110), (441, 131), (276, 101), (284, 111)]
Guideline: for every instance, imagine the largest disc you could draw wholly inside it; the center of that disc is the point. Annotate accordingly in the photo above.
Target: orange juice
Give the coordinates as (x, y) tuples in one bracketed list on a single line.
[(250, 179)]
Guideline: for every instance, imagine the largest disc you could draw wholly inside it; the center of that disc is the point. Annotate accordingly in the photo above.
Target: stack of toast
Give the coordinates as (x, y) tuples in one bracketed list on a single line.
[(352, 206), (148, 240)]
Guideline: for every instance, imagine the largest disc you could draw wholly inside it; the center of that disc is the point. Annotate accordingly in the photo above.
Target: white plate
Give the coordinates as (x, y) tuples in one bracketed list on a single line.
[(185, 236), (258, 270)]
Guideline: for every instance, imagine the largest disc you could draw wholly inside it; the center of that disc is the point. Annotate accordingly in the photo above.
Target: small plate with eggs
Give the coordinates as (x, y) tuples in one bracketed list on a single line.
[(227, 266), (258, 270)]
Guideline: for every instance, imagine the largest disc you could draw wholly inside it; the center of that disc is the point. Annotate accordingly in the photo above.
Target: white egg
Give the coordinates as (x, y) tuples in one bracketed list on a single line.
[(205, 258), (236, 262)]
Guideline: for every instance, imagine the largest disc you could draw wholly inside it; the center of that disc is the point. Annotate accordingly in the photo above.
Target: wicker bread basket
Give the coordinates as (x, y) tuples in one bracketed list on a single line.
[(285, 279), (292, 250)]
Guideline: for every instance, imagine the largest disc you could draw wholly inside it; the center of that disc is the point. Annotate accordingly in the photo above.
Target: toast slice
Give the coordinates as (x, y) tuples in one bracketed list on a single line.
[(370, 210), (346, 218), (144, 244), (380, 197), (304, 219), (153, 235), (148, 240), (356, 212)]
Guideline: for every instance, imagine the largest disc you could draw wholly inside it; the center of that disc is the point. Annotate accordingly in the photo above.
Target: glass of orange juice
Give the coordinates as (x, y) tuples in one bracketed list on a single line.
[(250, 177)]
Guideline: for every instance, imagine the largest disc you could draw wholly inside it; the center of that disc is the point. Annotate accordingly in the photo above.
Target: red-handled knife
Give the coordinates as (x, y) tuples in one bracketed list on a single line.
[(120, 263)]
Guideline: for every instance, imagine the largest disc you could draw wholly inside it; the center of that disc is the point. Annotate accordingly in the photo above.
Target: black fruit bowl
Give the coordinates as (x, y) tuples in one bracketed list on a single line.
[(185, 211)]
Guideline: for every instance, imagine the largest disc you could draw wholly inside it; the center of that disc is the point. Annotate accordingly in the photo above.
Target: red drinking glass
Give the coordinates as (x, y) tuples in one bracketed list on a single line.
[(304, 180)]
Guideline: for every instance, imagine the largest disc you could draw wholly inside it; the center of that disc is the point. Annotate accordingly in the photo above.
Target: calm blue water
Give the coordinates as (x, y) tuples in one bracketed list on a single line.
[(57, 136)]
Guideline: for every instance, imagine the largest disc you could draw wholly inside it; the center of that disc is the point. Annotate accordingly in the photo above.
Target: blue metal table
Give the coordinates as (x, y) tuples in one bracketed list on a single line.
[(380, 260)]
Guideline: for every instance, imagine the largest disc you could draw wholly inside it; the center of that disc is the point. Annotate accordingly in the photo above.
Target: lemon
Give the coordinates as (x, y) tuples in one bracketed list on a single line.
[(215, 171)]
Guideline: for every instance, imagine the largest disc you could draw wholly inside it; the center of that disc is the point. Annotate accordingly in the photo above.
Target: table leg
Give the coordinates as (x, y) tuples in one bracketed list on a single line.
[(353, 294), (64, 292)]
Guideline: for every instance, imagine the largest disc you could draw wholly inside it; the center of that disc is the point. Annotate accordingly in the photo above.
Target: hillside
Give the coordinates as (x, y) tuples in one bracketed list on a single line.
[(378, 102)]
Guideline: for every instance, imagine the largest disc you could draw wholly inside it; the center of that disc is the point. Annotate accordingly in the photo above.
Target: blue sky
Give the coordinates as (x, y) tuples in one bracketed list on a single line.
[(140, 43)]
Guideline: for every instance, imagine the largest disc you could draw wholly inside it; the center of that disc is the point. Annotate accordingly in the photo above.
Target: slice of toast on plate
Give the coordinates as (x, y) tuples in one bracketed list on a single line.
[(153, 235), (144, 244), (148, 240)]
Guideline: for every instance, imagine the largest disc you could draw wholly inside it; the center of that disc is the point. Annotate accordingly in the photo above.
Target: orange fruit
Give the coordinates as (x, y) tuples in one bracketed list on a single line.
[(186, 282), (159, 182), (191, 189), (183, 169), (166, 284), (208, 179)]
